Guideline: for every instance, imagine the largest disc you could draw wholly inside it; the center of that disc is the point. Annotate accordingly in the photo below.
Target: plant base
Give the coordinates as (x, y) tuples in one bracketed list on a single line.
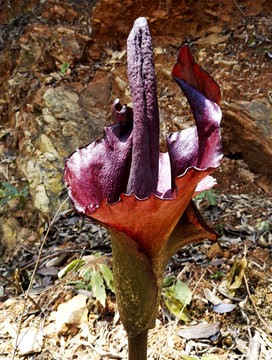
[(137, 346)]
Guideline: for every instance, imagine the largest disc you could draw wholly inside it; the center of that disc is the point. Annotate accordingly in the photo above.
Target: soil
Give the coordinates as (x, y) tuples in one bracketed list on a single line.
[(242, 212)]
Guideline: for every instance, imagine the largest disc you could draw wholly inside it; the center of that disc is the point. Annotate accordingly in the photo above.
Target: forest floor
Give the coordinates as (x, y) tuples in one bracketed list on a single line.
[(235, 274), (243, 258)]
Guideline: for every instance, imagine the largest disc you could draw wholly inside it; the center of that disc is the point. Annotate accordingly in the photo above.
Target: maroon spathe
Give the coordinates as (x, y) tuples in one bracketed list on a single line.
[(123, 180)]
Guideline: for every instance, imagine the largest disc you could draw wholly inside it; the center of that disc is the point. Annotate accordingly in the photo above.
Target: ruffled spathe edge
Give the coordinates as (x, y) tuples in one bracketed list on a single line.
[(205, 184)]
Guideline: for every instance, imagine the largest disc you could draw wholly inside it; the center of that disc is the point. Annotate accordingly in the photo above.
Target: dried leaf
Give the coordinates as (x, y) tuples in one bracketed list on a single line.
[(235, 278), (223, 308), (200, 331), (254, 347), (209, 295)]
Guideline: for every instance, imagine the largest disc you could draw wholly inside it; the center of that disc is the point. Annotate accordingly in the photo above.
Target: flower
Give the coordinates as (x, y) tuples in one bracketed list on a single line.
[(141, 195)]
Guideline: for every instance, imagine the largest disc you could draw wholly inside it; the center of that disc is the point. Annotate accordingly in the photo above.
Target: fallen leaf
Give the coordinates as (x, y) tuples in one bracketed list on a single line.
[(223, 308), (254, 347), (200, 331), (209, 295), (235, 277)]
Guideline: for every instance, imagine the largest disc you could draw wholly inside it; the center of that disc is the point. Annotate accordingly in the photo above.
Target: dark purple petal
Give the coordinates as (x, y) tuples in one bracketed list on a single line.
[(143, 176), (206, 137), (193, 74), (100, 170), (200, 146)]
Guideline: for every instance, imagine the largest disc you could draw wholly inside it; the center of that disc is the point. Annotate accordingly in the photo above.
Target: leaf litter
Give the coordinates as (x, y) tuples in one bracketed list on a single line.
[(102, 334)]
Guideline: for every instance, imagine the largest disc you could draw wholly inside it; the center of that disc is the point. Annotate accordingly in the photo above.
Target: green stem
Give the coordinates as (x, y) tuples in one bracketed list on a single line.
[(137, 346)]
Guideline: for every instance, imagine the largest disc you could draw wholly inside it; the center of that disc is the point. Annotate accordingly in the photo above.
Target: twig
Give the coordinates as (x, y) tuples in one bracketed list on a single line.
[(20, 290), (268, 328), (54, 254), (241, 11), (32, 279), (60, 290), (224, 293)]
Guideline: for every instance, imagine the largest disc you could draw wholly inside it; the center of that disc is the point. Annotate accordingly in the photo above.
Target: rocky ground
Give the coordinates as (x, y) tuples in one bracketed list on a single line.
[(62, 65)]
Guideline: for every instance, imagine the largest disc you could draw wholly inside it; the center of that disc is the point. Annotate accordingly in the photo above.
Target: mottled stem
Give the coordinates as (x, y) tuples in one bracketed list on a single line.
[(137, 346)]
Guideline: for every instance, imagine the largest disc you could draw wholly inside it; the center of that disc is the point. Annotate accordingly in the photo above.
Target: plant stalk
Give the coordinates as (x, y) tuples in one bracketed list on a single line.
[(137, 346)]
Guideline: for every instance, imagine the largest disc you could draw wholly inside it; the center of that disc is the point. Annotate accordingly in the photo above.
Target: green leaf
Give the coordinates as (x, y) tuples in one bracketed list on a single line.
[(64, 67), (4, 201), (263, 225), (167, 281), (2, 193), (88, 275), (209, 194), (108, 276), (251, 41), (73, 266), (201, 195), (12, 190), (217, 274), (220, 228), (98, 287), (24, 191), (175, 306), (181, 292), (189, 358), (78, 284), (211, 197)]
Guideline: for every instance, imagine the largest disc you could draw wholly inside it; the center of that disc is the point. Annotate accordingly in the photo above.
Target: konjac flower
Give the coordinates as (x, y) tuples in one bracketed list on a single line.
[(142, 196)]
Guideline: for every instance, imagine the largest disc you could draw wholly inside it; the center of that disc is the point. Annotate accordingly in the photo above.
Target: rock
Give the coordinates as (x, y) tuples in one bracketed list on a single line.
[(247, 130), (45, 145), (98, 92), (226, 63), (30, 341), (71, 116), (212, 39), (63, 104), (41, 200), (9, 233), (121, 84), (64, 45), (158, 50), (72, 312), (215, 251)]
